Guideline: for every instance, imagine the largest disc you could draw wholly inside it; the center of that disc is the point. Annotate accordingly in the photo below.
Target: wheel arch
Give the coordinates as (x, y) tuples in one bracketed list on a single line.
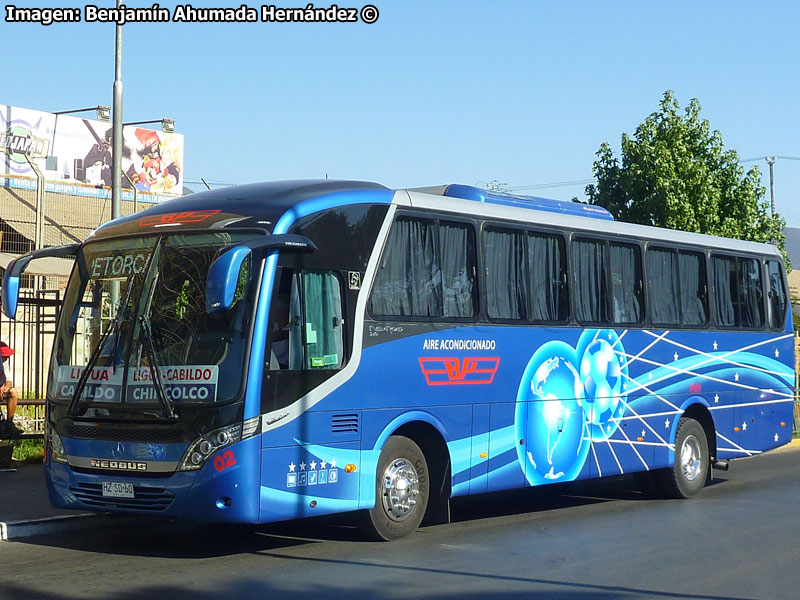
[(699, 412), (430, 435)]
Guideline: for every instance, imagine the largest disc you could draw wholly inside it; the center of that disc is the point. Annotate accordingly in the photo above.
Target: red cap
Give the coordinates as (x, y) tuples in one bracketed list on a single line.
[(5, 351)]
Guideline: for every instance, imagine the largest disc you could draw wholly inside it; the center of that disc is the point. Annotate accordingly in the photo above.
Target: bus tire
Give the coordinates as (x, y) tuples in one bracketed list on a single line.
[(401, 491), (689, 473)]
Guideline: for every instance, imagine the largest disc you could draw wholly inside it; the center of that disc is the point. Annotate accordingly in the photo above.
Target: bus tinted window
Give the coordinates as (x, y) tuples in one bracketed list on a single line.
[(626, 283), (457, 261), (738, 295), (427, 270), (408, 283), (663, 287), (751, 295), (547, 275), (694, 310), (726, 290), (776, 305), (506, 294), (589, 262)]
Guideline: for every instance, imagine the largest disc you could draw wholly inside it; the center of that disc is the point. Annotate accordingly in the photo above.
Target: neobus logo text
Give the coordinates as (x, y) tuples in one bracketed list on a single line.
[(118, 465)]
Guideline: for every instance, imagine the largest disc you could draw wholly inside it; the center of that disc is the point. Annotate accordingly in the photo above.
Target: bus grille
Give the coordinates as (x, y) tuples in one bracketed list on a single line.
[(124, 434), (146, 498), (344, 423)]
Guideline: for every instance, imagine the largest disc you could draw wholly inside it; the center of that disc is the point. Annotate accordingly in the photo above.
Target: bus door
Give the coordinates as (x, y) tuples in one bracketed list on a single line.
[(305, 348)]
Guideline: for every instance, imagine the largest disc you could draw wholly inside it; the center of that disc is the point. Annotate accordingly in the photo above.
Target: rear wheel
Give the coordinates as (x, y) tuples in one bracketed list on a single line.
[(402, 490), (688, 476)]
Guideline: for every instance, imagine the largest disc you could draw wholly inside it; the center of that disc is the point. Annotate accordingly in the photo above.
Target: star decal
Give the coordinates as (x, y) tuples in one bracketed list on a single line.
[(776, 437), (333, 464), (302, 466), (716, 398), (313, 465), (650, 375), (643, 432), (736, 377), (744, 426), (777, 353), (675, 356), (323, 464), (715, 344), (291, 467), (666, 424)]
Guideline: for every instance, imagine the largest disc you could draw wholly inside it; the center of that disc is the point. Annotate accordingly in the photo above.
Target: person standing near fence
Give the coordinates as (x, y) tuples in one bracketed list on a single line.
[(8, 394)]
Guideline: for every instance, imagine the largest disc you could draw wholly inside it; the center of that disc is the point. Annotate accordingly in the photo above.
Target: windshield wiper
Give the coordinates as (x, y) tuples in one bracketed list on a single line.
[(87, 370), (114, 328), (155, 371)]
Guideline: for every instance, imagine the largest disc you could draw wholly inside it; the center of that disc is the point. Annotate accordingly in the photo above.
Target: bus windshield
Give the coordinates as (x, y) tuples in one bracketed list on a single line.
[(134, 311)]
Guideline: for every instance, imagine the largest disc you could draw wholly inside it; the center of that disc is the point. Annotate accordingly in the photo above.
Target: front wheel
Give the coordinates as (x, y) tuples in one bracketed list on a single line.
[(401, 494), (688, 476)]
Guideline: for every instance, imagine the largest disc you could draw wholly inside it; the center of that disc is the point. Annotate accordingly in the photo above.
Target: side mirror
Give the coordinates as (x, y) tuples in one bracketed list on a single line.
[(14, 270), (223, 275), (10, 292)]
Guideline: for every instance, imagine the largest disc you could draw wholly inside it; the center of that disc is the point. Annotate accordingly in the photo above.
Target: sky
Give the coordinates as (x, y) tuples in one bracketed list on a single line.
[(521, 93)]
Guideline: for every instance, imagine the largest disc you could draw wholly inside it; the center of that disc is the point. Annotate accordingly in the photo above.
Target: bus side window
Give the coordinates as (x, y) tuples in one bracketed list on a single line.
[(694, 301), (322, 322), (590, 278), (726, 292), (306, 322), (776, 304), (627, 299), (751, 294)]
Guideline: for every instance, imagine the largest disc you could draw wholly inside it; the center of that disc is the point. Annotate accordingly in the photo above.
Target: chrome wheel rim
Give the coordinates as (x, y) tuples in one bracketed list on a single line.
[(690, 458), (400, 489)]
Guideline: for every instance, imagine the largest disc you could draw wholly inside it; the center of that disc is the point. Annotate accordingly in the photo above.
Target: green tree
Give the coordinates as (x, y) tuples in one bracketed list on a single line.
[(675, 172)]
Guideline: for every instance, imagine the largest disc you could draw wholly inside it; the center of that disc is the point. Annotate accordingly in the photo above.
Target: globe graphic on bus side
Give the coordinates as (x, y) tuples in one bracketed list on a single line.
[(602, 376), (549, 417)]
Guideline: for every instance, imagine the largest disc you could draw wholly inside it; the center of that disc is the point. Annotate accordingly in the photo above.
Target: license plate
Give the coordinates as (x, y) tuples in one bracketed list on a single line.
[(115, 489)]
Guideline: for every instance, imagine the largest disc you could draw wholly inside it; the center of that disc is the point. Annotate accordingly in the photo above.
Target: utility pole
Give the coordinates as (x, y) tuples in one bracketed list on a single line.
[(771, 161), (116, 152)]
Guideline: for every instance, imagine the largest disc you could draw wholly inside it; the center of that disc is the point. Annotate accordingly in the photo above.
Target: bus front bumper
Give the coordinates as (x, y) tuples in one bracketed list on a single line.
[(221, 491)]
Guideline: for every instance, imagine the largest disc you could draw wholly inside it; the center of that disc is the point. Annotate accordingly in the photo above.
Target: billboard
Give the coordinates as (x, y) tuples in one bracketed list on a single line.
[(71, 150)]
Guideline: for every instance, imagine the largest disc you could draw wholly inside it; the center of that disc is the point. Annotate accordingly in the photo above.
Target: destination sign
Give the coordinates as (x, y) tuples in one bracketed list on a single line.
[(197, 383)]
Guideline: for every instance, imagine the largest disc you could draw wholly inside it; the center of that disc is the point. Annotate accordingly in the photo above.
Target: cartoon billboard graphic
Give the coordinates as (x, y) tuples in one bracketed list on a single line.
[(73, 150), (155, 164)]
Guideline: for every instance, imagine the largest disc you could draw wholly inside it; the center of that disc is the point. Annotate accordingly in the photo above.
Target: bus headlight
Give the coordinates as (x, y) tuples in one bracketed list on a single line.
[(56, 445), (199, 450)]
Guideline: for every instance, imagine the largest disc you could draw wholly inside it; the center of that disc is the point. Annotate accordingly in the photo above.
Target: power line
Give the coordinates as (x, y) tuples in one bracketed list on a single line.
[(554, 184), (557, 184), (759, 158)]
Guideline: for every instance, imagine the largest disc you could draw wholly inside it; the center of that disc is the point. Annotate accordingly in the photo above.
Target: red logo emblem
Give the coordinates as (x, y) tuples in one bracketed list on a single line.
[(454, 371), (177, 218)]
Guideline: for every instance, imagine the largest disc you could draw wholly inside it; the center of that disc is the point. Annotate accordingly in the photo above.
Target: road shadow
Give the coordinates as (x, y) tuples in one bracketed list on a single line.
[(484, 585), (176, 539)]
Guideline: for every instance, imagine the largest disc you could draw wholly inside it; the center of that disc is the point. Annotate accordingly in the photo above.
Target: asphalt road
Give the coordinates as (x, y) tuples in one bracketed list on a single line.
[(599, 540)]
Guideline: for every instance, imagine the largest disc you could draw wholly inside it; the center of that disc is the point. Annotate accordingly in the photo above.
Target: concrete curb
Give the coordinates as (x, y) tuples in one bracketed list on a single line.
[(25, 528)]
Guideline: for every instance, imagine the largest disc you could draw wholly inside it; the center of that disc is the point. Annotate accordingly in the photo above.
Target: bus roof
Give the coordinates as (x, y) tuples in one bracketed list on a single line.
[(468, 192), (260, 205), (434, 198)]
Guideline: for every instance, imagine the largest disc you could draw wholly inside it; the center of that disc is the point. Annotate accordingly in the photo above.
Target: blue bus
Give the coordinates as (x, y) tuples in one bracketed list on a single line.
[(289, 349)]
